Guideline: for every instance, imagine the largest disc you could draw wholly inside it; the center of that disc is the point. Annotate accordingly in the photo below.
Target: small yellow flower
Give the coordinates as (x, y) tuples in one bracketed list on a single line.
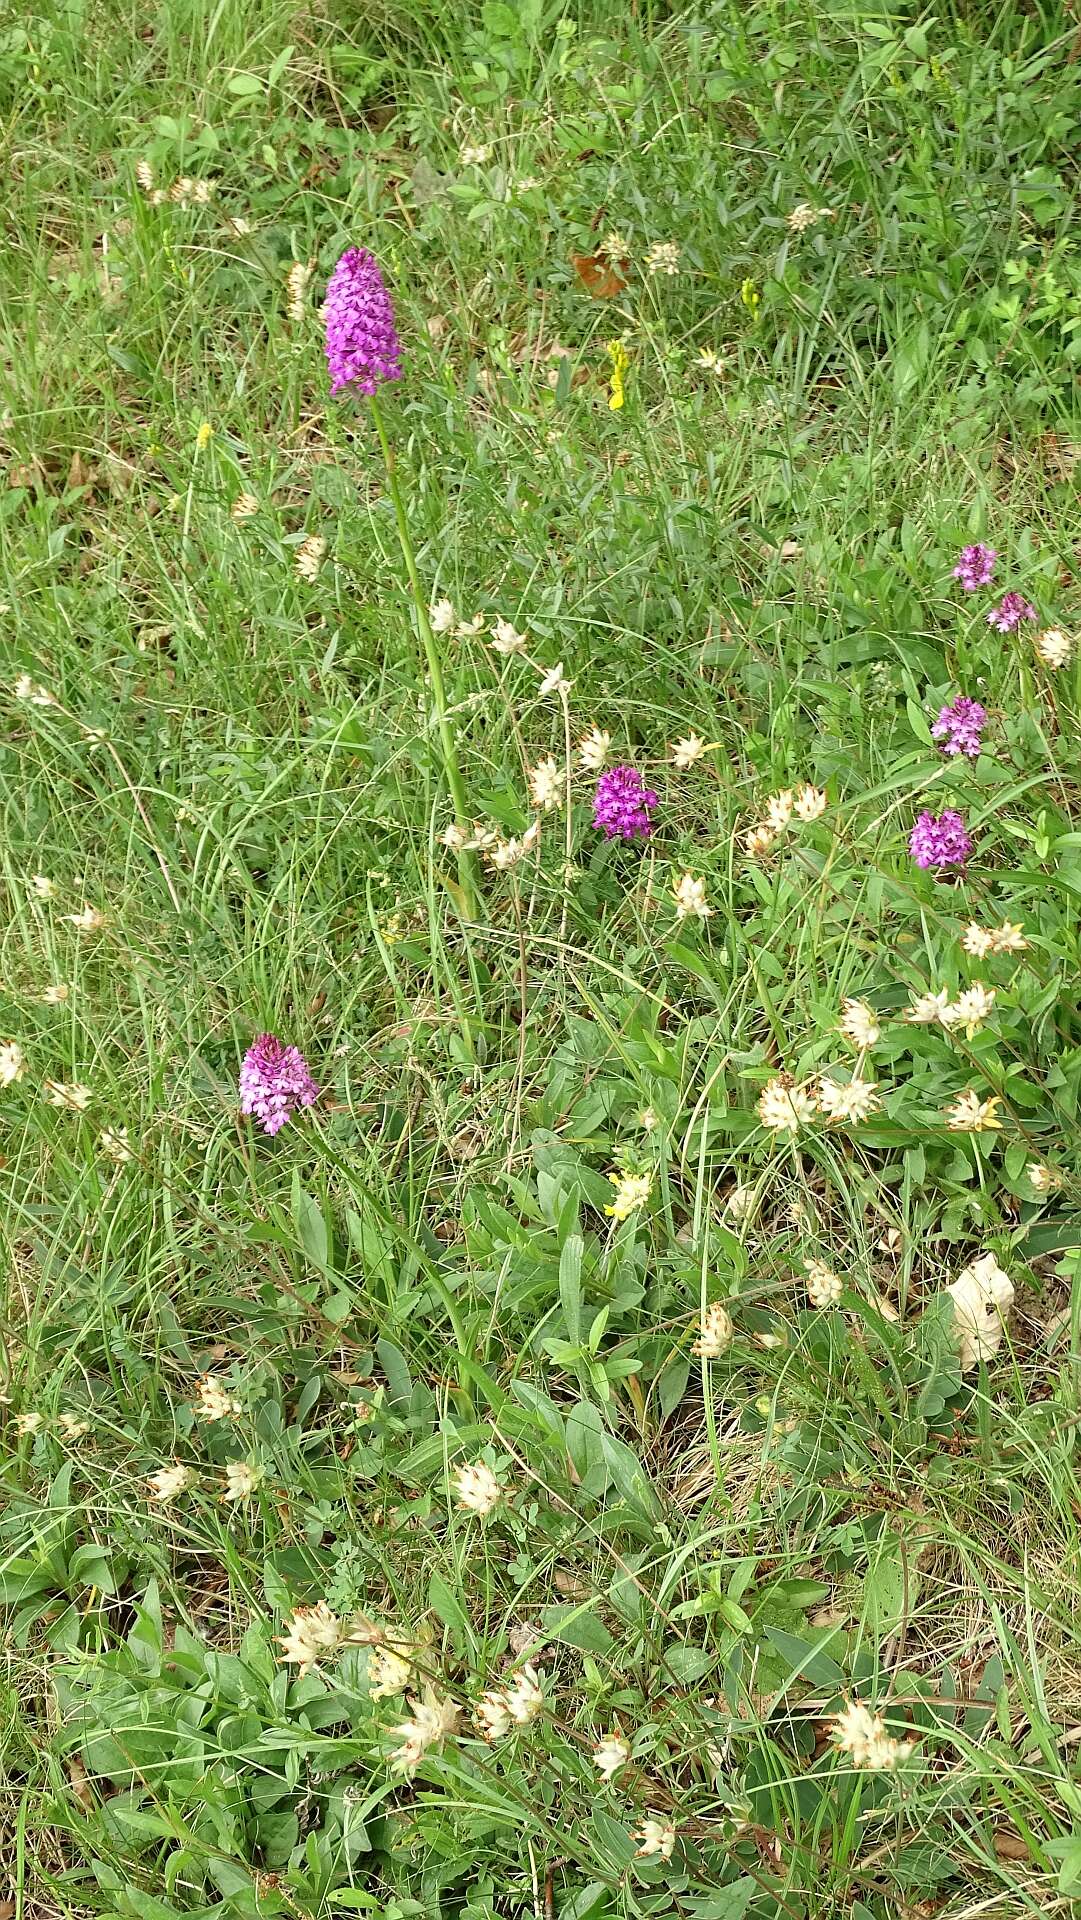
[(632, 1191), (204, 436), (617, 354)]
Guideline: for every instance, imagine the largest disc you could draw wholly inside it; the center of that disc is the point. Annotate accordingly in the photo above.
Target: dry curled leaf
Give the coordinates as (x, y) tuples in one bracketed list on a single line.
[(598, 275)]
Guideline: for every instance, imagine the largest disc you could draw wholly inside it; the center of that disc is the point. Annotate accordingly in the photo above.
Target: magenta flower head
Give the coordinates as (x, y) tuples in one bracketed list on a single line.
[(623, 803), (1011, 610), (940, 840), (363, 348), (274, 1082), (958, 726), (975, 565)]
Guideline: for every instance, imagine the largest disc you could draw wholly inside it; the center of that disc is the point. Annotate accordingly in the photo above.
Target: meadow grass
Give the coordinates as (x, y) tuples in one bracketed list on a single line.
[(536, 1225)]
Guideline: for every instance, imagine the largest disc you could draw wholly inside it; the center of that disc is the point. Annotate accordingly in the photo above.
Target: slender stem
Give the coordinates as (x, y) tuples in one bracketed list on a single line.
[(420, 602)]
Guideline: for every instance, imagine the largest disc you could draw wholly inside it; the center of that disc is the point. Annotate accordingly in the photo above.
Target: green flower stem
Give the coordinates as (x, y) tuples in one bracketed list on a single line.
[(447, 740)]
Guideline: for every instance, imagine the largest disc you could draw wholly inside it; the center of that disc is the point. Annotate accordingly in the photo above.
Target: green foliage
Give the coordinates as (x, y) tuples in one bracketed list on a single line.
[(430, 1283)]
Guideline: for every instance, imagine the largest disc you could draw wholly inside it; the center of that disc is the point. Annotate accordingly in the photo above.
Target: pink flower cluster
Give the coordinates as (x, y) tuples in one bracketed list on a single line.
[(275, 1082)]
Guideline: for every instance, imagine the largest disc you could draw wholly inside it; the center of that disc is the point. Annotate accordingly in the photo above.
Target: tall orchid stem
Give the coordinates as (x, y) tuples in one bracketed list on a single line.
[(447, 741)]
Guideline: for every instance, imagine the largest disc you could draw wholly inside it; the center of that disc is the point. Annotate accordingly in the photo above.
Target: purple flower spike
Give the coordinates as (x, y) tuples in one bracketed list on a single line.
[(975, 565), (622, 804), (363, 348), (274, 1082), (958, 726), (1011, 610), (940, 840)]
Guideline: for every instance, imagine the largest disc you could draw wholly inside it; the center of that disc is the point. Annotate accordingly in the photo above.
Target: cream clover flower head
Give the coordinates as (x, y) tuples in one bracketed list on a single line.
[(477, 1490), (930, 1009), (691, 898), (810, 804), (546, 784), (241, 1479), (12, 1063), (716, 1333), (432, 1721), (1054, 648), (972, 1007), (853, 1100), (824, 1287), (859, 1023), (611, 1755), (632, 1191), (593, 750), (779, 809), (687, 751), (655, 1837), (169, 1482), (214, 1401), (784, 1107), (390, 1671), (506, 639), (863, 1736), (970, 1114), (312, 1634)]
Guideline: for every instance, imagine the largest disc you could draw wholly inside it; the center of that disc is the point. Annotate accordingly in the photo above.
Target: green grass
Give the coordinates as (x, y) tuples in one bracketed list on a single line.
[(241, 770)]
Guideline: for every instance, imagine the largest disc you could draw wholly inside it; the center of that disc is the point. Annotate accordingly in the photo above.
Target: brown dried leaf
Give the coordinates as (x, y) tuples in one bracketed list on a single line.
[(598, 275)]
